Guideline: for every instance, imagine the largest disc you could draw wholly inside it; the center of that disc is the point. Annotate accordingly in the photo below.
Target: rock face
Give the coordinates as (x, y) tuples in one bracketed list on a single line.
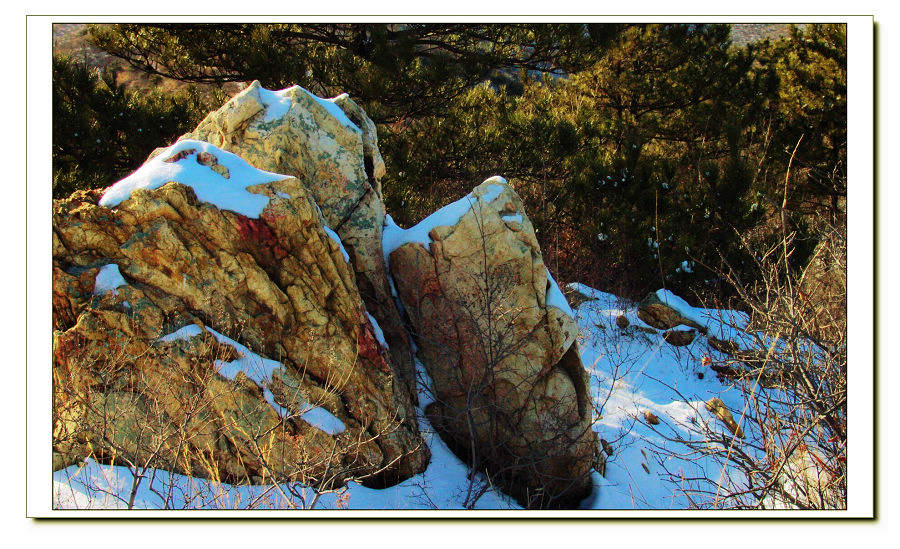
[(498, 340), (217, 343), (330, 146)]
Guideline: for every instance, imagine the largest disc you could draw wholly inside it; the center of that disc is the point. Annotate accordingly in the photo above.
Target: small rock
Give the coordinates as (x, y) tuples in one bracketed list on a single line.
[(679, 338), (573, 296), (607, 447), (661, 315), (210, 161), (181, 155), (718, 408)]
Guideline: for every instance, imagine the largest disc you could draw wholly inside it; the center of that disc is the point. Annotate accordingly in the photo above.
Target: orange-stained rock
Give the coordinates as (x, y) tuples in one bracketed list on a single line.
[(496, 336), (277, 285), (331, 146)]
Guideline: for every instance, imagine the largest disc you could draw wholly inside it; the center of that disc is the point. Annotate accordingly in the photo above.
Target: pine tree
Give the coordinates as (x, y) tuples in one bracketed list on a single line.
[(102, 132), (396, 71)]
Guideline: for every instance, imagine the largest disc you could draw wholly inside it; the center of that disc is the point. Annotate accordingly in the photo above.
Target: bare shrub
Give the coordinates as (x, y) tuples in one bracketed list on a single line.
[(178, 434), (790, 366)]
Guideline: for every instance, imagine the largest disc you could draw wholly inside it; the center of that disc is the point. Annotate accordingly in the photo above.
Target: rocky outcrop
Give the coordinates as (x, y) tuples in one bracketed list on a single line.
[(206, 321), (331, 146), (498, 340)]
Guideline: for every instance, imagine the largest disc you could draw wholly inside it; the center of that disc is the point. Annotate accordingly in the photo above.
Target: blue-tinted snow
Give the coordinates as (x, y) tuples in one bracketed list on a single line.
[(211, 187), (379, 335), (393, 236), (108, 279)]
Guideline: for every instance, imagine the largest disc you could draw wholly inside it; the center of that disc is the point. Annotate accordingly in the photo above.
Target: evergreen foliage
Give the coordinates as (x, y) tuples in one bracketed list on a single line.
[(644, 153), (395, 71), (102, 132)]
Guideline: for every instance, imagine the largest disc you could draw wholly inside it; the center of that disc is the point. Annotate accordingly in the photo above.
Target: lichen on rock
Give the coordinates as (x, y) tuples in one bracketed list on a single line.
[(277, 284), (331, 146)]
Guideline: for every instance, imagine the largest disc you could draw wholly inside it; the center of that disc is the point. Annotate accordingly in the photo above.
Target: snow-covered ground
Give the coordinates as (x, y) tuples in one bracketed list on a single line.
[(632, 372)]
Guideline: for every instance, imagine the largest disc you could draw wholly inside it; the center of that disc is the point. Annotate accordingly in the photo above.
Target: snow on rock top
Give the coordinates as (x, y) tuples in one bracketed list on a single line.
[(259, 370), (278, 103), (394, 236), (679, 305), (108, 279), (607, 305), (721, 323), (218, 177)]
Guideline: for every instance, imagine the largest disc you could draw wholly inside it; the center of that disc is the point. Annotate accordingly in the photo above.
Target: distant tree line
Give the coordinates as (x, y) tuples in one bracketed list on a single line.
[(646, 154)]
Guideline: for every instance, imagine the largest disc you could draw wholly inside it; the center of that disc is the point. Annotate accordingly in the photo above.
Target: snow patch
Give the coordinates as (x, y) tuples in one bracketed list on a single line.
[(211, 187), (555, 297), (185, 333), (108, 279), (379, 335), (393, 236), (260, 370), (334, 236), (277, 103), (323, 420), (513, 218)]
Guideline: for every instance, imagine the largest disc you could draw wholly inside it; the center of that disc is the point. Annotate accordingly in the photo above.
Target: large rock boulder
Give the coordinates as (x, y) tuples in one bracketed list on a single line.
[(498, 340), (206, 321), (331, 146)]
